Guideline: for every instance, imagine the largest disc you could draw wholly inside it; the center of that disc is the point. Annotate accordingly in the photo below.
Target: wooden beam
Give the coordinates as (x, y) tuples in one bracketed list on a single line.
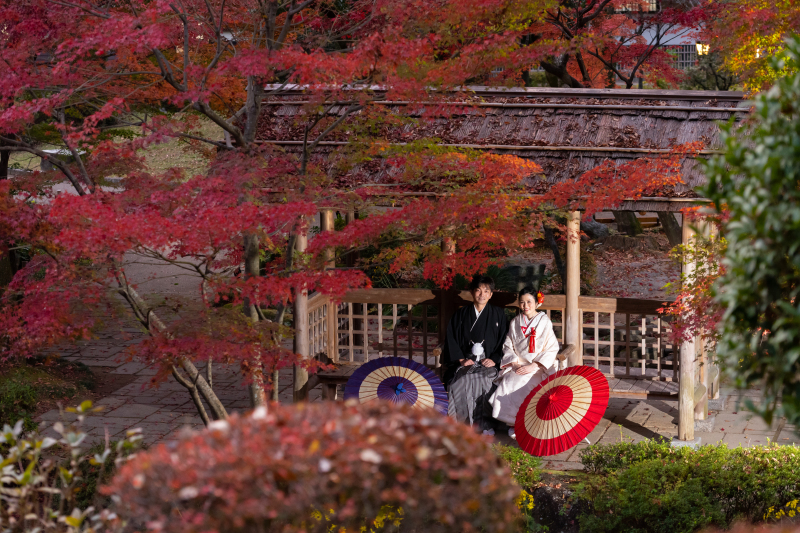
[(687, 360), (519, 147), (301, 340), (573, 320), (514, 105)]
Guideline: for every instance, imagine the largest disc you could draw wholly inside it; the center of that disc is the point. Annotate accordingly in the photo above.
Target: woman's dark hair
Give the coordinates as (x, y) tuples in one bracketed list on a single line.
[(477, 281), (527, 290)]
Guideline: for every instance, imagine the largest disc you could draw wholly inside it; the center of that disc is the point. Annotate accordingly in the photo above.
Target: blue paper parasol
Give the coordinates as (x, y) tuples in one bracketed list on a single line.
[(397, 379)]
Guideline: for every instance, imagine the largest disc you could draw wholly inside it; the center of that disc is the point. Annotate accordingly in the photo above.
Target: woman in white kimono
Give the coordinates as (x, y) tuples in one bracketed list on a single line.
[(529, 357)]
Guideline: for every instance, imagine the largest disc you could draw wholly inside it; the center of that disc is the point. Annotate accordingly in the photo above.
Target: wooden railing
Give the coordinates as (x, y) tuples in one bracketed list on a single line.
[(622, 337)]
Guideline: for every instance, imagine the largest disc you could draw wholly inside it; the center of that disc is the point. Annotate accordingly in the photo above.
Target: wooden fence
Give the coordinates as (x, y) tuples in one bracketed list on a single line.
[(622, 337)]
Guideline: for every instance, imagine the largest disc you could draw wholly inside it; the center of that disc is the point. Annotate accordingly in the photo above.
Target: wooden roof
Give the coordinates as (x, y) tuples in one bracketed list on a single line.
[(566, 131)]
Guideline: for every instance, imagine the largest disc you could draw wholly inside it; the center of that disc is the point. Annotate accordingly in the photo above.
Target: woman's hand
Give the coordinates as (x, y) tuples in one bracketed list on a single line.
[(488, 363), (525, 369), (467, 362)]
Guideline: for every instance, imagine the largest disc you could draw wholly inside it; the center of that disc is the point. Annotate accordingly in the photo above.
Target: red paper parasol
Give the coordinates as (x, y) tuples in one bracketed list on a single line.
[(562, 410)]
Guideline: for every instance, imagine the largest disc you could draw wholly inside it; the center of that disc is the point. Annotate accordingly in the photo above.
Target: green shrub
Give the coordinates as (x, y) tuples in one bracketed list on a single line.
[(604, 459), (41, 489), (653, 487), (525, 468), (22, 387)]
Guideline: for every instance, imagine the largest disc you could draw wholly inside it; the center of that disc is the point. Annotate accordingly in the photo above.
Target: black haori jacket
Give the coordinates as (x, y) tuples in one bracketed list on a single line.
[(491, 328)]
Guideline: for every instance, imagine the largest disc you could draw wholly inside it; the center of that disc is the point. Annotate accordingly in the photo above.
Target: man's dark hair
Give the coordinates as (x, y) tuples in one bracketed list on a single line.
[(477, 281)]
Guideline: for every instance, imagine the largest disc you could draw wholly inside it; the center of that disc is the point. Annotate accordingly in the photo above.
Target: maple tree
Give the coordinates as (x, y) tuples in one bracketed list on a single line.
[(749, 33), (595, 42), (103, 82)]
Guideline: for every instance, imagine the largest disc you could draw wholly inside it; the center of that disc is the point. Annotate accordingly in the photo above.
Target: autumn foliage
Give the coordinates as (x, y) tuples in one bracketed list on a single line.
[(329, 467)]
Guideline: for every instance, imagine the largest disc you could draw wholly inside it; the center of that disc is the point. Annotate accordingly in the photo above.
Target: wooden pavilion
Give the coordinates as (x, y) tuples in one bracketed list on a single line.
[(567, 132)]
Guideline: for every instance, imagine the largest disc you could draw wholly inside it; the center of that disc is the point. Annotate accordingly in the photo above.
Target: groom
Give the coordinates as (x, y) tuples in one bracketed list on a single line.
[(472, 352)]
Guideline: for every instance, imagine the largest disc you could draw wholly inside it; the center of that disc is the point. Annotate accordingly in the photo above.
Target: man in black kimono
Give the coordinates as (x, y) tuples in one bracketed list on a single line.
[(471, 356)]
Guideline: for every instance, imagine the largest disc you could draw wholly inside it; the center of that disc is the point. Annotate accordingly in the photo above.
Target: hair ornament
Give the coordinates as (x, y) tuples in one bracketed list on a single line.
[(540, 298)]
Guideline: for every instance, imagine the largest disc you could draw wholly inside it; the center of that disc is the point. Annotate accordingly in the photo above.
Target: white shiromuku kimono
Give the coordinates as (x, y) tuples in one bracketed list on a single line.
[(512, 388)]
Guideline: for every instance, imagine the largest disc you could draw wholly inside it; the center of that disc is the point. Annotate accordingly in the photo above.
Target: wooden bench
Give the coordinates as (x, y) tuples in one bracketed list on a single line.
[(330, 379)]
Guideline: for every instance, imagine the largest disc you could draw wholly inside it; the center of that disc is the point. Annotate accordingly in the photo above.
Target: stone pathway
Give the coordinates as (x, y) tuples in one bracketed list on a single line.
[(162, 411)]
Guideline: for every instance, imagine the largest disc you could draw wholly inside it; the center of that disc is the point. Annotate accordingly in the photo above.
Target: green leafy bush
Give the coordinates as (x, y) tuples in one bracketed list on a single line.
[(653, 487), (754, 186), (525, 468), (604, 459), (23, 386), (40, 489)]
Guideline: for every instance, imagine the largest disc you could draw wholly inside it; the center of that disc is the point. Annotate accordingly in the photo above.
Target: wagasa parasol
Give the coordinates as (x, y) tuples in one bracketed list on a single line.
[(562, 410), (397, 380)]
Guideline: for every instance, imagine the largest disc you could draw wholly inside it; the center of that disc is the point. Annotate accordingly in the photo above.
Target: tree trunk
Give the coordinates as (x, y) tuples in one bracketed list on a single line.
[(627, 223), (251, 269), (5, 156), (550, 239), (671, 227)]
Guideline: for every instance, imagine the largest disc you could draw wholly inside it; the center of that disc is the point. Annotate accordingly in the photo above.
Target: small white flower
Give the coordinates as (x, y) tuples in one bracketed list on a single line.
[(370, 456), (219, 425), (325, 465), (259, 413), (187, 493)]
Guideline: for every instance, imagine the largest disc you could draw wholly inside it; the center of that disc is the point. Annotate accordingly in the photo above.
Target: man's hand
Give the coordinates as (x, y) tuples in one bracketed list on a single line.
[(525, 369), (488, 363), (467, 362)]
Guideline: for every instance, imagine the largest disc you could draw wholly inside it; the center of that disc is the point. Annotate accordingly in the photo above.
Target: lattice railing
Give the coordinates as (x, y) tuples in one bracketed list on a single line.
[(623, 338)]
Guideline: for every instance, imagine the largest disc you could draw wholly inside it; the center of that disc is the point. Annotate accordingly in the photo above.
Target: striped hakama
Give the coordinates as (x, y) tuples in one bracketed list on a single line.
[(469, 393)]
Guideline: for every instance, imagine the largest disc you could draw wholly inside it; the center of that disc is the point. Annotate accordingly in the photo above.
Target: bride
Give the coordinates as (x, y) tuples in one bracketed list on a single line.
[(529, 357)]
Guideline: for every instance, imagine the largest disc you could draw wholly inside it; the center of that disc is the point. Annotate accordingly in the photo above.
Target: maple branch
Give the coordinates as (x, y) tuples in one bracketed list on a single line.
[(192, 388), (600, 8), (203, 139), (166, 70), (308, 149), (62, 166), (150, 321), (76, 155), (185, 21), (89, 11)]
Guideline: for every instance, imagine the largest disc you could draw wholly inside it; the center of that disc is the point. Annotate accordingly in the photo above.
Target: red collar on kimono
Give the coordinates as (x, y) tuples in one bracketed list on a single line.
[(531, 335)]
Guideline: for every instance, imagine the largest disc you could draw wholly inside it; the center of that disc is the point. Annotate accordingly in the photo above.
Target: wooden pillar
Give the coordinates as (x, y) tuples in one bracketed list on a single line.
[(350, 257), (326, 223), (687, 361), (447, 302), (572, 320), (301, 344)]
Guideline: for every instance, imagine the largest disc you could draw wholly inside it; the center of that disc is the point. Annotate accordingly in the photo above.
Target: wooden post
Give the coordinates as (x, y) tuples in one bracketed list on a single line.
[(301, 341), (446, 303), (572, 320), (350, 257), (687, 362), (326, 223), (712, 369)]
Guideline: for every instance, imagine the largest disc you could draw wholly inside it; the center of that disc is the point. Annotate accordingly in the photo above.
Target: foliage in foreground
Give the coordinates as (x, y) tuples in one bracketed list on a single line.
[(23, 386), (650, 486), (754, 186), (525, 468), (343, 462), (43, 493)]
